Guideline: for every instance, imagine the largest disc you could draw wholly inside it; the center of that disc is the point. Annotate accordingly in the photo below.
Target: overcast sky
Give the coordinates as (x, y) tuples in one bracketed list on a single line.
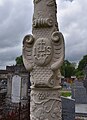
[(16, 21)]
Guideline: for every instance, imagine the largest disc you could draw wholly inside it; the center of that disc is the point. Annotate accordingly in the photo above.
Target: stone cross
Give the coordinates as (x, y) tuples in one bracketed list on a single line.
[(43, 55)]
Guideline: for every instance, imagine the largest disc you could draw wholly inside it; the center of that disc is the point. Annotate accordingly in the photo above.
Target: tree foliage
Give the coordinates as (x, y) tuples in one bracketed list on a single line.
[(82, 63), (81, 66), (79, 73), (19, 60), (67, 69)]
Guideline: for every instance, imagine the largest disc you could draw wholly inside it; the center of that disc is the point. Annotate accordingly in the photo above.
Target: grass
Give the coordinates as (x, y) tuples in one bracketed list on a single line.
[(65, 93)]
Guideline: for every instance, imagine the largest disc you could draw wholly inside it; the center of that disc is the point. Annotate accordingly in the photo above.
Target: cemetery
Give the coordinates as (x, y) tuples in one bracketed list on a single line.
[(74, 97), (44, 86)]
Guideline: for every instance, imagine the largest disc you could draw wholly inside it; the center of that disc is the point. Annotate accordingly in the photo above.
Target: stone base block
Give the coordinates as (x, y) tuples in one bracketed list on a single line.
[(45, 104)]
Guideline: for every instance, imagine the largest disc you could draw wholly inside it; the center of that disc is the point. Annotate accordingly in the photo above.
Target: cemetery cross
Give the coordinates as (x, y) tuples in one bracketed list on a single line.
[(43, 55)]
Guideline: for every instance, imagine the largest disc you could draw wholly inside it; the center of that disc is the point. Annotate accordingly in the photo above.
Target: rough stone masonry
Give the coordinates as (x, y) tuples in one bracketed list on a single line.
[(43, 55)]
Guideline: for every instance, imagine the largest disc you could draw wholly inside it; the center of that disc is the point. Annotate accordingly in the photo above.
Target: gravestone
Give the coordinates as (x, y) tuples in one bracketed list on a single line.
[(68, 109), (43, 55), (16, 89), (81, 110), (79, 92), (17, 76)]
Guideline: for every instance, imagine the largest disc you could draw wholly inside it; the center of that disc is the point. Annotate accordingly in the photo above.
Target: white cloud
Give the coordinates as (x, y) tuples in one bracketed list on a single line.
[(72, 22), (16, 22), (1, 2)]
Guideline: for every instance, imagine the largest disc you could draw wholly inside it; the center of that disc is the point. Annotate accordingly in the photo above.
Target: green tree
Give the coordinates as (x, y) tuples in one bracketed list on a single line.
[(81, 66), (19, 60), (82, 63), (79, 73), (67, 69)]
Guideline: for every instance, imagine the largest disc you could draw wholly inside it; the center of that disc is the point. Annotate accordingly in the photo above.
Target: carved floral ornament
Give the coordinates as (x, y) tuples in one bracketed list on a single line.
[(49, 105), (42, 96)]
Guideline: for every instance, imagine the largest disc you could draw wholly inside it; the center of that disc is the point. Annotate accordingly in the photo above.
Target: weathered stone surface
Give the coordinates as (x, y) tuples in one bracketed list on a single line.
[(43, 54)]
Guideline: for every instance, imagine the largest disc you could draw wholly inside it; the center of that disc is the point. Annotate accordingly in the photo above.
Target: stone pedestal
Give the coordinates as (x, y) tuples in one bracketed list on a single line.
[(45, 104), (43, 55)]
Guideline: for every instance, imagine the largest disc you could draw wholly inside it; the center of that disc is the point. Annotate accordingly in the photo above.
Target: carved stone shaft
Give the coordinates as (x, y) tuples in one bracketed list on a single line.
[(43, 54), (46, 104)]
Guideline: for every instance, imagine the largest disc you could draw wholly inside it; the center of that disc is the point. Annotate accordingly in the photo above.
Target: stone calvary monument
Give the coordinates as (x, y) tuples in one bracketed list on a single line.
[(43, 54)]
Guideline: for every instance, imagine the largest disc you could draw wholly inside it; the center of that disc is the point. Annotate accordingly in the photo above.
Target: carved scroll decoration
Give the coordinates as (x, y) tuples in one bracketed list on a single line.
[(46, 22)]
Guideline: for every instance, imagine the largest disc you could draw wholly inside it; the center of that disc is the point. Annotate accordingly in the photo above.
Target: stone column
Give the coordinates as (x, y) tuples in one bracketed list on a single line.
[(43, 55)]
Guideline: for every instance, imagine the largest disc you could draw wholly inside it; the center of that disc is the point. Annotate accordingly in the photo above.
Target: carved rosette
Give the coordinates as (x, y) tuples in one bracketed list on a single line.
[(45, 104), (43, 55)]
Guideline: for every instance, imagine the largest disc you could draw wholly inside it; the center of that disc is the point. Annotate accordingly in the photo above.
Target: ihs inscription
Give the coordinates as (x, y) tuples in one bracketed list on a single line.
[(42, 51)]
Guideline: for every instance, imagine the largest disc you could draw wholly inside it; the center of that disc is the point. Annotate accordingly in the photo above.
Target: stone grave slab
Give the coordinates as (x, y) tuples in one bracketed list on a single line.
[(16, 89), (79, 93), (68, 109)]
